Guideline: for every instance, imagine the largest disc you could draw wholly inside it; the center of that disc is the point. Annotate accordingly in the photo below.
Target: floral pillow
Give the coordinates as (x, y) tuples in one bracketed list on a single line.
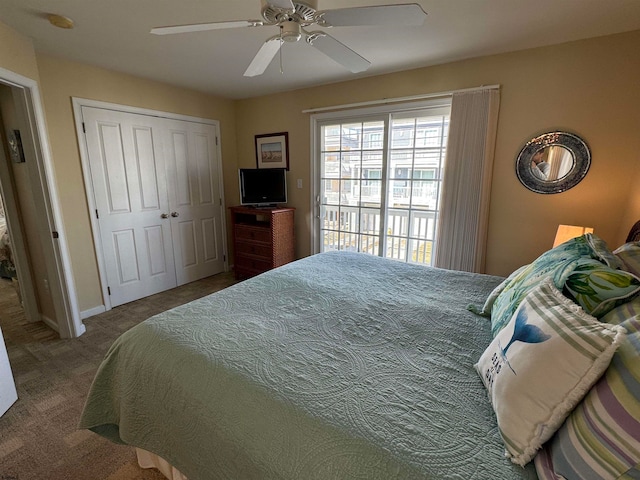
[(598, 288), (557, 263), (540, 366)]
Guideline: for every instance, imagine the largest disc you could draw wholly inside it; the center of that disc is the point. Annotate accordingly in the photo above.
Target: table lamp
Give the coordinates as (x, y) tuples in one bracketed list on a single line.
[(567, 232)]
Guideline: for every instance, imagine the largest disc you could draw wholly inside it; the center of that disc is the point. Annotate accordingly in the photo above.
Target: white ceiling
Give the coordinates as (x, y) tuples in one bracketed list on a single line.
[(114, 34)]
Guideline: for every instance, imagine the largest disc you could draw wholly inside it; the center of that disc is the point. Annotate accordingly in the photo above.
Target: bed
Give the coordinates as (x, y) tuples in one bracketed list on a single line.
[(339, 365)]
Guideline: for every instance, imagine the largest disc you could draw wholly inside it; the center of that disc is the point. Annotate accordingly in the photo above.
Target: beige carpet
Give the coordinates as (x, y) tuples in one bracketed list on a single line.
[(38, 434)]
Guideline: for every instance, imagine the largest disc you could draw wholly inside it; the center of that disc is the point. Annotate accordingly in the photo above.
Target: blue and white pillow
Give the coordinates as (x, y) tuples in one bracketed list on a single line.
[(540, 366)]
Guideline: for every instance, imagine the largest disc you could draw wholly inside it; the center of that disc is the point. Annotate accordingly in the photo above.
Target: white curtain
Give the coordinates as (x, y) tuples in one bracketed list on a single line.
[(464, 212)]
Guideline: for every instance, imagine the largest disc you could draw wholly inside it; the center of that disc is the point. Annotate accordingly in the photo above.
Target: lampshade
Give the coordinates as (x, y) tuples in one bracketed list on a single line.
[(567, 232)]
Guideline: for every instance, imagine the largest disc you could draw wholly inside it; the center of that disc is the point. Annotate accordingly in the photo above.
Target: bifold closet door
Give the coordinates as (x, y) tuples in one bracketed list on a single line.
[(129, 185), (195, 200)]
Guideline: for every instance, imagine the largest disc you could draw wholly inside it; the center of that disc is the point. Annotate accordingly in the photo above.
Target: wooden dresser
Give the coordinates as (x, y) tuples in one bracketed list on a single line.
[(263, 239)]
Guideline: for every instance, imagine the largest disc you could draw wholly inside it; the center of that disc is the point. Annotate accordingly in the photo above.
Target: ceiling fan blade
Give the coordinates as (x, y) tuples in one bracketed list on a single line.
[(283, 4), (338, 52), (263, 58), (409, 14), (200, 27)]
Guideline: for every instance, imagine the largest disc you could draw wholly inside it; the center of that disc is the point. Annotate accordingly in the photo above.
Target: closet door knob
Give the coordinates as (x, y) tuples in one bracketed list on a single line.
[(164, 215), (175, 214)]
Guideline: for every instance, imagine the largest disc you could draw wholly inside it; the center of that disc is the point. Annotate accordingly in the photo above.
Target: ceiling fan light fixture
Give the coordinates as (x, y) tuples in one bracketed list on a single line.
[(290, 31), (60, 21)]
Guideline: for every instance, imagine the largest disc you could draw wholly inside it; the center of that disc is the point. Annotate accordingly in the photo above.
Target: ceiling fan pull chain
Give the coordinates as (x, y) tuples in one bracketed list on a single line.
[(280, 52)]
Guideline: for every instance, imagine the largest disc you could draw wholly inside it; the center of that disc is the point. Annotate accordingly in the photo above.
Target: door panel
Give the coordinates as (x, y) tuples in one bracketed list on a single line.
[(129, 183), (145, 157), (194, 196)]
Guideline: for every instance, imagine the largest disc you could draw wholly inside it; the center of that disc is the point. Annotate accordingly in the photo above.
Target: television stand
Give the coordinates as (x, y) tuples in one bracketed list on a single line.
[(263, 238), (270, 206)]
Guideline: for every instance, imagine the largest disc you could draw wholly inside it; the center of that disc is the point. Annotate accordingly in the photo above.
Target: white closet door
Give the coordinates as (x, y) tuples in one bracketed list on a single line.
[(194, 198), (129, 183)]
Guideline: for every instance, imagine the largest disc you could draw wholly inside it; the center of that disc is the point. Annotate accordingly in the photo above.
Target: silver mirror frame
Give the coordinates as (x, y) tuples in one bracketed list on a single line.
[(573, 143)]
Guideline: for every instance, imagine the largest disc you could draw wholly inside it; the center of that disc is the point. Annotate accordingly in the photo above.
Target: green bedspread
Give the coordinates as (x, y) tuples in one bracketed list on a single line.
[(338, 366)]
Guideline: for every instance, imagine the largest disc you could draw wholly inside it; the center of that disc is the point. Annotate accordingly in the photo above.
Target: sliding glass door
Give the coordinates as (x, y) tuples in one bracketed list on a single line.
[(379, 179)]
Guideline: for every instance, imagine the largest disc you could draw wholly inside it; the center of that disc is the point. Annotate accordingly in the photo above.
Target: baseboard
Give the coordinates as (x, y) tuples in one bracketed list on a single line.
[(50, 323), (92, 311)]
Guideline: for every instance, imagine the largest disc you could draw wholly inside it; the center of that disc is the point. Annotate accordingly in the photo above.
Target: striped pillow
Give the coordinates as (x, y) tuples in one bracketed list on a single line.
[(541, 364), (601, 438), (629, 254)]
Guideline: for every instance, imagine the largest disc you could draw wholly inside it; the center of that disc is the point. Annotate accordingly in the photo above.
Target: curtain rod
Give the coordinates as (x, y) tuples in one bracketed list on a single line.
[(401, 99)]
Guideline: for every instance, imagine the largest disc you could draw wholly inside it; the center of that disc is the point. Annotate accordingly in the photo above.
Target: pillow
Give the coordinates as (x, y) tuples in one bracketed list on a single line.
[(557, 263), (629, 255), (601, 437), (601, 251), (598, 288), (540, 365), (488, 304)]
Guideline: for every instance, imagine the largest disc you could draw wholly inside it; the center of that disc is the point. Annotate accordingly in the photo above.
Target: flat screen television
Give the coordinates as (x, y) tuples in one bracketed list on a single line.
[(263, 186)]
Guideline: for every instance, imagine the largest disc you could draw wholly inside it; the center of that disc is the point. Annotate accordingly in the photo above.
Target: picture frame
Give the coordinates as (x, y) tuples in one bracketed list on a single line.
[(272, 150)]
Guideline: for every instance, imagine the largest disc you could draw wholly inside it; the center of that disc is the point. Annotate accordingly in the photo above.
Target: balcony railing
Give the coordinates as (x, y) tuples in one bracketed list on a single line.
[(409, 234)]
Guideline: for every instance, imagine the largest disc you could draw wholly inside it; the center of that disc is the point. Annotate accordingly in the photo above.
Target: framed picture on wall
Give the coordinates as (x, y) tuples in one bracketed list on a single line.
[(272, 150)]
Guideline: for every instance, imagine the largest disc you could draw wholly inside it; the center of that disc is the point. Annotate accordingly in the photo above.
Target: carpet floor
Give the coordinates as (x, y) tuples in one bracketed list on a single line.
[(39, 438)]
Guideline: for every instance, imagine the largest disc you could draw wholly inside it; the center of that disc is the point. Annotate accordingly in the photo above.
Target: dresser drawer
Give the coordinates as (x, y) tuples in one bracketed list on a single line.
[(254, 249), (247, 232), (251, 263)]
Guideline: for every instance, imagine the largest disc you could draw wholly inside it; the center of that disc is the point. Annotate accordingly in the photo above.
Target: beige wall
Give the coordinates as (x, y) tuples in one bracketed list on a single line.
[(16, 53), (60, 80), (588, 87)]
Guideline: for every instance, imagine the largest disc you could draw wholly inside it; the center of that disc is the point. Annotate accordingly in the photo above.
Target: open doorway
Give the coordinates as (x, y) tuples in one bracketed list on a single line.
[(31, 210), (18, 295)]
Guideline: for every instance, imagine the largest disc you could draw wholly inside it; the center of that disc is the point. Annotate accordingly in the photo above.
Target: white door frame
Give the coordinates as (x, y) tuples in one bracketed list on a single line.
[(49, 218), (78, 103)]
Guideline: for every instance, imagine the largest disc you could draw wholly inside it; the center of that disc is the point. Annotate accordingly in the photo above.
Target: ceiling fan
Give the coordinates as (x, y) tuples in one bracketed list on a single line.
[(294, 17)]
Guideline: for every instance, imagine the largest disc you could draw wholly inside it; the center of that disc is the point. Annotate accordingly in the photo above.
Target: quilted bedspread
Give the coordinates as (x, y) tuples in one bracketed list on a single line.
[(337, 366)]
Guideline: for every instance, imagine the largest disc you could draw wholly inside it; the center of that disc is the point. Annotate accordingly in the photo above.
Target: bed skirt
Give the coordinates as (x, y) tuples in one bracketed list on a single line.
[(151, 460)]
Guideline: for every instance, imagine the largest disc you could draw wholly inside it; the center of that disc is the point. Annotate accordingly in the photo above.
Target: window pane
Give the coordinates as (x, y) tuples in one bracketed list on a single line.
[(350, 166), (330, 165), (371, 191), (373, 135), (423, 225), (370, 244), (330, 240), (399, 193), (351, 136), (350, 192), (402, 133), (424, 194), (396, 248), (398, 222), (330, 192), (329, 217), (349, 241), (420, 251)]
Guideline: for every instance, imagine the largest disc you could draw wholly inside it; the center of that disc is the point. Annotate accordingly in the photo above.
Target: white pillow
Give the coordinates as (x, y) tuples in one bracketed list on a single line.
[(541, 365)]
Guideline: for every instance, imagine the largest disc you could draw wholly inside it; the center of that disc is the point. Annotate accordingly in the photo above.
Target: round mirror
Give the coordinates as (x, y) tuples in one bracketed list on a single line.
[(553, 162)]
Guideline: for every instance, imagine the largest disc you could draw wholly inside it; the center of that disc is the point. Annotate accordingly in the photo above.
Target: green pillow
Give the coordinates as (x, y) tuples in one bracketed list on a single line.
[(598, 288), (557, 263), (629, 254)]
